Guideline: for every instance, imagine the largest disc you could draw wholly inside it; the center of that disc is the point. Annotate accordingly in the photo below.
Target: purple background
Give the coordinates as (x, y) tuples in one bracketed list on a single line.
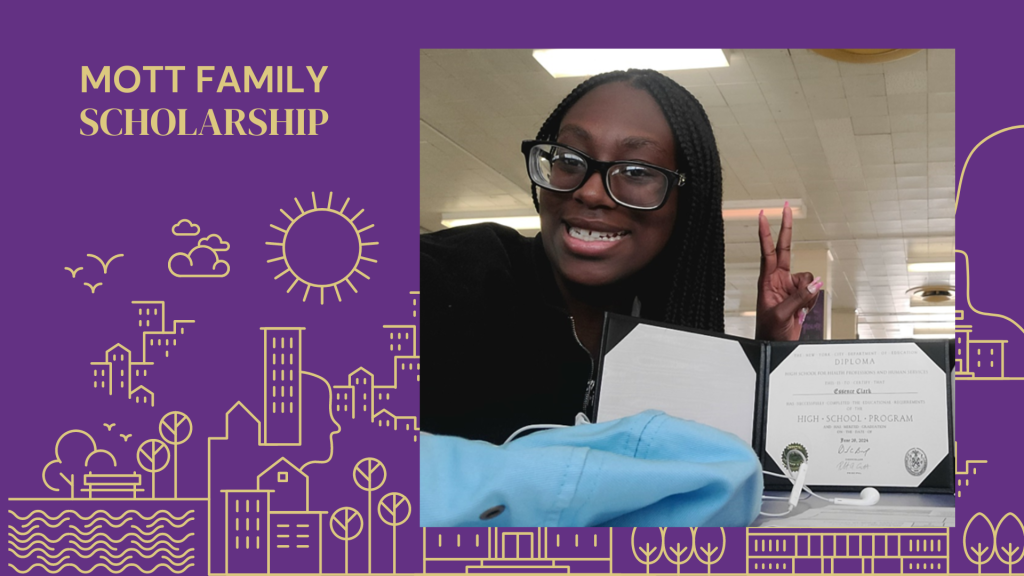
[(65, 195)]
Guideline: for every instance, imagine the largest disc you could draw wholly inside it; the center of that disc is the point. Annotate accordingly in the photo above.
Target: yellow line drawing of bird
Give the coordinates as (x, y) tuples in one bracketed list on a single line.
[(93, 287), (107, 263), (125, 437), (109, 426), (73, 272)]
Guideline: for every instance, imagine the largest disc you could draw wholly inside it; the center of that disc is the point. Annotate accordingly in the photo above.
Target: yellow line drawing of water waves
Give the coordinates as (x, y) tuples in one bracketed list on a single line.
[(107, 552), (100, 535), (177, 564), (25, 533), (109, 515), (103, 562), (154, 547), (41, 521), (140, 569), (26, 547), (182, 525), (109, 523)]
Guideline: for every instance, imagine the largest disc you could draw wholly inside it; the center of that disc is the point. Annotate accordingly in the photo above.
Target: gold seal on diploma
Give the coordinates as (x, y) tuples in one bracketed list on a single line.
[(793, 456)]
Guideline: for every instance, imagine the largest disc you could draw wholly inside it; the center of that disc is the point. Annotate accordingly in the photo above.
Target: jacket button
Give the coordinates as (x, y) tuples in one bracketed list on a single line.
[(492, 512)]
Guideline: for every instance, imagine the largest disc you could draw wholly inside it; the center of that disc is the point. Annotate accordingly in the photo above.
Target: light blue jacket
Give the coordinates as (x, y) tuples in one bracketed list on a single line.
[(646, 470)]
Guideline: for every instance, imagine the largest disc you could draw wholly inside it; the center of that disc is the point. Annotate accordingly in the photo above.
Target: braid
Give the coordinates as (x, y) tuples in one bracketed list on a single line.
[(685, 285)]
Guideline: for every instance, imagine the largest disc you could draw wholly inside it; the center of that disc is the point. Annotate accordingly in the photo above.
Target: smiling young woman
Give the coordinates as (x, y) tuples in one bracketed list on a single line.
[(628, 183)]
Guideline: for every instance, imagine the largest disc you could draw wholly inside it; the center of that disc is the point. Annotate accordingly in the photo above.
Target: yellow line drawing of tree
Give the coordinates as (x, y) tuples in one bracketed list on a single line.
[(172, 422), (369, 466), (709, 550), (391, 519), (647, 549), (148, 455), (1010, 549), (344, 523), (678, 550), (978, 549)]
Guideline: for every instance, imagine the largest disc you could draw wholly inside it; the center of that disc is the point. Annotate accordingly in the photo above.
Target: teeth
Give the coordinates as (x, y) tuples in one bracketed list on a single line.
[(593, 236)]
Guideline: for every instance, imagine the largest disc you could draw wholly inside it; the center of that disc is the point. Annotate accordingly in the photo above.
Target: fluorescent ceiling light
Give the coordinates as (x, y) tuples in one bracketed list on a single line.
[(750, 209), (933, 336), (931, 267), (567, 63)]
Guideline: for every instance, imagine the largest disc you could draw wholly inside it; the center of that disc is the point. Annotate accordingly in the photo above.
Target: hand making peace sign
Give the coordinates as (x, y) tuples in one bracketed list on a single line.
[(783, 298)]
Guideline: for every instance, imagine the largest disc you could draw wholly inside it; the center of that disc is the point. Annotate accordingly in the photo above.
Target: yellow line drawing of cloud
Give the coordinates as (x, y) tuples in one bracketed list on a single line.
[(188, 257), (185, 232), (57, 460), (218, 245)]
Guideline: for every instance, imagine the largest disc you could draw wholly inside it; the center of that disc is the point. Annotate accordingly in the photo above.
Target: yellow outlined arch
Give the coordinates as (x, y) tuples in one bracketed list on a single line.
[(964, 169)]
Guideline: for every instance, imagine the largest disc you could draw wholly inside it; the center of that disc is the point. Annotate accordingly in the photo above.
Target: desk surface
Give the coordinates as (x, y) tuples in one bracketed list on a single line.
[(925, 502)]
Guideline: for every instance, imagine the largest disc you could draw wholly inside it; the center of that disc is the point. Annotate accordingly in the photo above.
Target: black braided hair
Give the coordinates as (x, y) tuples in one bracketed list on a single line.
[(685, 284)]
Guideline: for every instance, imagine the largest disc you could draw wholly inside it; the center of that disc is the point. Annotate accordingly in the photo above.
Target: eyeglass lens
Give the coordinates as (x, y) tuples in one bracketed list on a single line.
[(561, 169)]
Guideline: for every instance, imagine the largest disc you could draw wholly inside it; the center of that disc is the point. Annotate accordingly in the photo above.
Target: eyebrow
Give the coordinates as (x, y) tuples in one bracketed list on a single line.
[(629, 143)]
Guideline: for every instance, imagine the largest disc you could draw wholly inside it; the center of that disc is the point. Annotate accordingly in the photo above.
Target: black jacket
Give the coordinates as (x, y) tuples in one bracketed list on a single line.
[(498, 350)]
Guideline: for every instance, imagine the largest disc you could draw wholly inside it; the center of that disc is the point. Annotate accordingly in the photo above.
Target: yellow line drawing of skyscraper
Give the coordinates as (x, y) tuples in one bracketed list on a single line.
[(282, 386)]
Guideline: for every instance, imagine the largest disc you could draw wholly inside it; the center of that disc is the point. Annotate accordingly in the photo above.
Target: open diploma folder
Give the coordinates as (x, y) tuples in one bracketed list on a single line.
[(861, 413)]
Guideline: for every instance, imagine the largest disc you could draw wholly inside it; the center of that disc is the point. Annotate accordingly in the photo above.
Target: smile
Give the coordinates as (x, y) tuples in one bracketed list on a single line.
[(595, 236)]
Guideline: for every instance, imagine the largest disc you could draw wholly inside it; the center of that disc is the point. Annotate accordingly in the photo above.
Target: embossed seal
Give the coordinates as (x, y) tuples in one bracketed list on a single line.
[(793, 456), (916, 461)]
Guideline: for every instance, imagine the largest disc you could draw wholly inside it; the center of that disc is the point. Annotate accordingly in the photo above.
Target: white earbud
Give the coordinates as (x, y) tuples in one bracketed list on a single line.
[(868, 497)]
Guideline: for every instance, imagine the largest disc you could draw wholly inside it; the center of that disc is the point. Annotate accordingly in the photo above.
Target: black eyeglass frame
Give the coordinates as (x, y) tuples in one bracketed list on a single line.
[(673, 179)]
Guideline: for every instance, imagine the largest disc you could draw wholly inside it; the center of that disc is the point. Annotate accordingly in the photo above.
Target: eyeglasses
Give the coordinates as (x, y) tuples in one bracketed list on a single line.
[(636, 185)]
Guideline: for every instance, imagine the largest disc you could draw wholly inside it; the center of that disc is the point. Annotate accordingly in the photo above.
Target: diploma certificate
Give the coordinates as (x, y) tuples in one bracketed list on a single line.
[(861, 414)]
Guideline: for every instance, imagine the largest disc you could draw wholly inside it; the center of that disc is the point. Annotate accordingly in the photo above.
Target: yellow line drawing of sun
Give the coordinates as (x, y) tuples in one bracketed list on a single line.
[(322, 247)]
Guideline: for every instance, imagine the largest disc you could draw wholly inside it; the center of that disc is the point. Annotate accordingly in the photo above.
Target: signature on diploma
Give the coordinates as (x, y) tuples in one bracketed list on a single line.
[(852, 465), (855, 450)]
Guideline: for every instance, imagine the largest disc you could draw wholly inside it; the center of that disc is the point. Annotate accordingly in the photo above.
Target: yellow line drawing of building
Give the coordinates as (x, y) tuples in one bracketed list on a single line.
[(282, 362), (509, 549), (963, 476), (361, 382), (404, 334), (345, 400), (779, 550), (119, 370), (976, 359), (282, 386)]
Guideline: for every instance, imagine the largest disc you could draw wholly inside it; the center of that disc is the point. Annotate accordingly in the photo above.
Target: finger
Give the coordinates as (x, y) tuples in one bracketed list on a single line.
[(804, 296), (785, 237), (768, 261)]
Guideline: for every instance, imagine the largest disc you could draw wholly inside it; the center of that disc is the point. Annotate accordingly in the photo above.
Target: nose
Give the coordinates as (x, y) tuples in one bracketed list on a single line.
[(593, 193)]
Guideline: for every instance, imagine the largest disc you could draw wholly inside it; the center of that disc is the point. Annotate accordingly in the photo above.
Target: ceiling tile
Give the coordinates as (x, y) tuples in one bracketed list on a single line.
[(941, 59), (908, 104), (906, 82), (868, 106), (909, 123), (942, 102)]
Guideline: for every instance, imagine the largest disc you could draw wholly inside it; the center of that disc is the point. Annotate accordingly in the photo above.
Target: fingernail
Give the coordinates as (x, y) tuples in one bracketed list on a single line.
[(803, 315), (815, 286), (786, 205), (761, 215)]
